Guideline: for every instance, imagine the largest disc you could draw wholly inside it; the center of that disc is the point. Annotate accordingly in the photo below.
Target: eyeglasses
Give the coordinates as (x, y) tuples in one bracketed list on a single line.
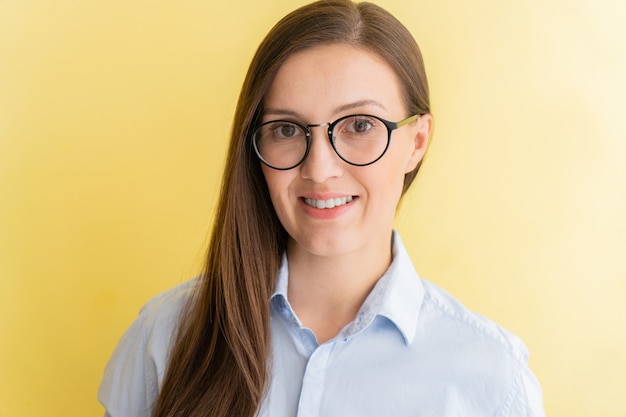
[(359, 140)]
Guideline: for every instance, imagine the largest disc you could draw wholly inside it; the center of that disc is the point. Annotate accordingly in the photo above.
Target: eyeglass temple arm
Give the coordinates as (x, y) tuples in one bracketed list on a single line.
[(406, 121)]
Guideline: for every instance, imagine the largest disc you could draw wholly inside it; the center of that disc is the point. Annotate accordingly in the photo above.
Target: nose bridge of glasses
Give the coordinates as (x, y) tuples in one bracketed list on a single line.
[(321, 160), (327, 125), (310, 126), (319, 125), (320, 148)]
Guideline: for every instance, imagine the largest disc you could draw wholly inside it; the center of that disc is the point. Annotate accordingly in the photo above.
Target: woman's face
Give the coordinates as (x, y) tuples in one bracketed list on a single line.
[(320, 85)]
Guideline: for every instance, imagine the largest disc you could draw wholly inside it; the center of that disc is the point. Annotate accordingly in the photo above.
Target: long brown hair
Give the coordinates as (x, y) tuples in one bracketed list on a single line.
[(218, 364)]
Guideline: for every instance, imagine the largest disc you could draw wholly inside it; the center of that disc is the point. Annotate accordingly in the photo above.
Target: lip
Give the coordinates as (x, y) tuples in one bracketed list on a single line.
[(325, 196), (325, 213)]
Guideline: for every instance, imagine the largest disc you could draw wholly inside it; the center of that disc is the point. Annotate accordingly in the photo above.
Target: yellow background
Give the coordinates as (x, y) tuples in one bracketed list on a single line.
[(113, 124)]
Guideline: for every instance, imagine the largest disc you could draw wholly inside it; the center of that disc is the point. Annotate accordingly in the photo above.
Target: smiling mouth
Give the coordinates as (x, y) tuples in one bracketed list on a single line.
[(328, 204)]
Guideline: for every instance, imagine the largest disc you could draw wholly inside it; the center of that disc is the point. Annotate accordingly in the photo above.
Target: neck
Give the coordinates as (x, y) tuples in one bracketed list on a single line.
[(326, 292)]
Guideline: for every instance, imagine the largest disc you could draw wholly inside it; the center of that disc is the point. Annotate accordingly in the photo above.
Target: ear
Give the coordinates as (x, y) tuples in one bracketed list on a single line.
[(422, 133)]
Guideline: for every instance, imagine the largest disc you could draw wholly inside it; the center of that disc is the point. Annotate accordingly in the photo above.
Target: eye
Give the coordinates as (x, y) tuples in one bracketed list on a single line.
[(361, 125), (286, 130)]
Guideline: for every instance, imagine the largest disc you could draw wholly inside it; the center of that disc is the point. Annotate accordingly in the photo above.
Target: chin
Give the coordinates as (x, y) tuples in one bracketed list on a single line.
[(324, 246)]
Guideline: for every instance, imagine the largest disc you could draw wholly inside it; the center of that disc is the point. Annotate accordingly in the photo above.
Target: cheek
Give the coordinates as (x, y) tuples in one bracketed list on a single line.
[(385, 185), (395, 167), (389, 180), (278, 186), (272, 180), (400, 162)]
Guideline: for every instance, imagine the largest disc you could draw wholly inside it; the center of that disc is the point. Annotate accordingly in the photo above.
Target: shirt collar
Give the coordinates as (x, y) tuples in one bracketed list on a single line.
[(280, 287), (397, 296), (404, 292)]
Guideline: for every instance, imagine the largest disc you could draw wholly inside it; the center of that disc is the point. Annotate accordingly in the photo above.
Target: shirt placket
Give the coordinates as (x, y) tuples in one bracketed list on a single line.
[(313, 381)]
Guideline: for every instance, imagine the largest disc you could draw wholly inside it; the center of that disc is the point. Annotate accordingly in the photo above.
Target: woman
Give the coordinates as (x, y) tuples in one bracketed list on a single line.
[(309, 304)]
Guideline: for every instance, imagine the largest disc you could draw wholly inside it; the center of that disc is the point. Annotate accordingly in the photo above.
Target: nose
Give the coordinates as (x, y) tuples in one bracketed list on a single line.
[(322, 163)]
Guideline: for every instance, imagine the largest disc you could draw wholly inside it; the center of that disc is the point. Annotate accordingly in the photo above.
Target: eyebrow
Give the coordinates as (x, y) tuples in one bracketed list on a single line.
[(339, 109)]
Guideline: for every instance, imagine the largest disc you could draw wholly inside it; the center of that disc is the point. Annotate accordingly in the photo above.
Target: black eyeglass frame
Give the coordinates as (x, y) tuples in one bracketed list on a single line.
[(391, 126)]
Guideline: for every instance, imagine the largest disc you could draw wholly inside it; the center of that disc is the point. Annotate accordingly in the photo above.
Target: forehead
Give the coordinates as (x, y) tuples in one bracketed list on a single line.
[(325, 80)]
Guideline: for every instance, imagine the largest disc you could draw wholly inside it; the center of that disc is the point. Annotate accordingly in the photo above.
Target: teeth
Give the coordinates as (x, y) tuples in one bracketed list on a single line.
[(330, 203)]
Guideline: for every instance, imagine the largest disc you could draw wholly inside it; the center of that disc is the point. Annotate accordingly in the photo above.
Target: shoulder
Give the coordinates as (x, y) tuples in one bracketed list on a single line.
[(165, 308), (487, 359), (159, 318), (441, 306), (158, 321), (134, 373)]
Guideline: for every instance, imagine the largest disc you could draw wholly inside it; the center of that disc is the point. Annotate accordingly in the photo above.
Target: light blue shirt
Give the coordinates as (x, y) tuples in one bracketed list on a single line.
[(412, 350)]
